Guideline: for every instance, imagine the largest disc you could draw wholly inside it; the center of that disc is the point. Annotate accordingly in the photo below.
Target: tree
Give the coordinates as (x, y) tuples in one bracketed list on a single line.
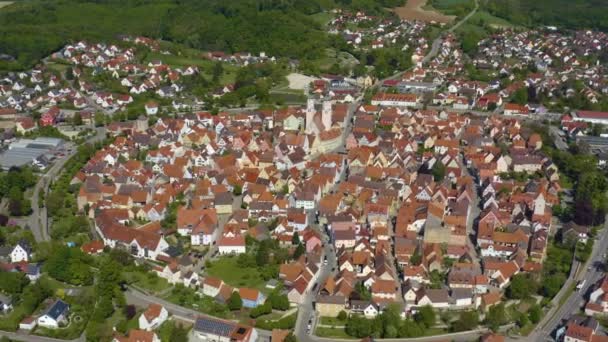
[(522, 286), (295, 239), (77, 120), (237, 190), (279, 301), (416, 258), (468, 320), (235, 302), (496, 316), (535, 313), (12, 283), (290, 337), (261, 310), (300, 250), (438, 171), (358, 326), (425, 316), (521, 96), (342, 315), (261, 256)]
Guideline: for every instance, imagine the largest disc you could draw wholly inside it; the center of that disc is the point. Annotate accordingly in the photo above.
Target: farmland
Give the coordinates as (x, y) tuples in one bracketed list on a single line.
[(414, 10)]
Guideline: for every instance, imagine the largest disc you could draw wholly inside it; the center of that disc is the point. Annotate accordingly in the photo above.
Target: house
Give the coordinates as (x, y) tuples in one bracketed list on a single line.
[(251, 297), (598, 299), (515, 109), (231, 245), (575, 232), (21, 252), (590, 116), (151, 108), (141, 243), (330, 306), (395, 100), (212, 329), (212, 286), (55, 315), (136, 335), (153, 317)]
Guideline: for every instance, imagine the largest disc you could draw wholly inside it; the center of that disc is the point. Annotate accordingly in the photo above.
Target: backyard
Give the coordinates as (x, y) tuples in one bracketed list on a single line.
[(236, 274)]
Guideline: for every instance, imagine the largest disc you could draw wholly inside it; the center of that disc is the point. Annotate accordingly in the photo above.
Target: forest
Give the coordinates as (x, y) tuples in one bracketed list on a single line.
[(569, 14), (32, 29)]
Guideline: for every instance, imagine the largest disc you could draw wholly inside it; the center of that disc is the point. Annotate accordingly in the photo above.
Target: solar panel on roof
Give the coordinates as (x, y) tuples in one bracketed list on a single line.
[(215, 327)]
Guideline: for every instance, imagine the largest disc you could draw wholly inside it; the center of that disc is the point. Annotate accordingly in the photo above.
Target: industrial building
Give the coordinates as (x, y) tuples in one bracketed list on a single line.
[(36, 152)]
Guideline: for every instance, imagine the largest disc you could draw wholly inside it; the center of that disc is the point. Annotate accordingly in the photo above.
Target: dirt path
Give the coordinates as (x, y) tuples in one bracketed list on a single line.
[(413, 10)]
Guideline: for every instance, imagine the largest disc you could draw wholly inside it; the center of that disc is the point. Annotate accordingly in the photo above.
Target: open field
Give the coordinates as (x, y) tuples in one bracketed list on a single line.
[(5, 3), (413, 10)]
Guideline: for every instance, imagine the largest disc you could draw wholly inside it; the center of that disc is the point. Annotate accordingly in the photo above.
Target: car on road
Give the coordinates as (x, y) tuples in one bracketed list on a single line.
[(325, 260)]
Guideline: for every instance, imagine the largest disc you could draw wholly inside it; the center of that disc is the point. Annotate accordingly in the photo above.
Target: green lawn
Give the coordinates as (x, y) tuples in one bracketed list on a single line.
[(332, 333), (228, 269), (331, 321), (146, 280), (191, 299)]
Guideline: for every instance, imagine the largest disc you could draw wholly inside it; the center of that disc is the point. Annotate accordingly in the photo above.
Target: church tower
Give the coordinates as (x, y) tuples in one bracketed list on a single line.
[(326, 114), (310, 113)]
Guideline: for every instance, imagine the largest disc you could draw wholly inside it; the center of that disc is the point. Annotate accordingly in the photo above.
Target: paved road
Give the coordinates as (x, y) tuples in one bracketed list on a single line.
[(591, 272), (38, 220)]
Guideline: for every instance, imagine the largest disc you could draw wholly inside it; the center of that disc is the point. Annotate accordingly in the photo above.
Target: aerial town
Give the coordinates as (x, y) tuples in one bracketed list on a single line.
[(152, 192)]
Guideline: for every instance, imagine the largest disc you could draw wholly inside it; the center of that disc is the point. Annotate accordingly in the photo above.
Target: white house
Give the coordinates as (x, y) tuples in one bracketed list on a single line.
[(151, 108), (231, 245), (21, 252), (55, 315), (153, 317)]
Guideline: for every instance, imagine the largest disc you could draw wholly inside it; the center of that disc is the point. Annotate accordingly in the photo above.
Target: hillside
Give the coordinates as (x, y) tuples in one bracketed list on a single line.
[(31, 29), (571, 14)]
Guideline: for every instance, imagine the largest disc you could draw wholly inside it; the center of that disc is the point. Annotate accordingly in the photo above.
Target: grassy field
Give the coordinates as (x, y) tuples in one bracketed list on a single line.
[(322, 18), (331, 321), (483, 17), (147, 281), (5, 3), (332, 333), (228, 269)]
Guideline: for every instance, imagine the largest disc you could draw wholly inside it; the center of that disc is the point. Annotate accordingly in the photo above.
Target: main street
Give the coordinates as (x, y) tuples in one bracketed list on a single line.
[(591, 273)]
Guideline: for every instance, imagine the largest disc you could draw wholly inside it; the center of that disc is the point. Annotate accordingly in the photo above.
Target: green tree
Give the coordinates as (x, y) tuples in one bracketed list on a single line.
[(521, 96), (342, 315), (261, 256), (425, 316), (295, 239), (535, 312), (300, 250), (237, 190), (438, 171), (468, 320), (77, 120), (496, 316), (521, 287), (235, 302)]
